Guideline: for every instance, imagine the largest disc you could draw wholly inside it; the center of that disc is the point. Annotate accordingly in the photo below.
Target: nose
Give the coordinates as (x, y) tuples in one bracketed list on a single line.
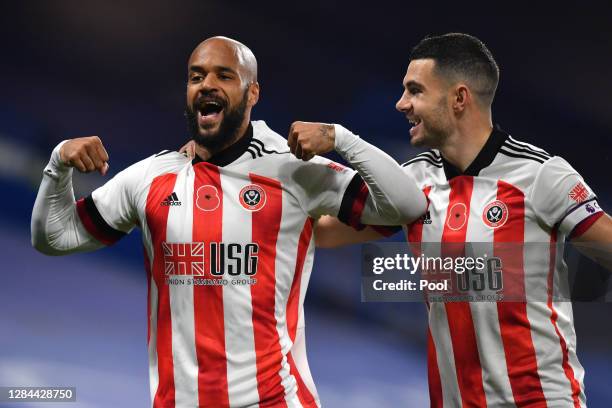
[(209, 83), (403, 104)]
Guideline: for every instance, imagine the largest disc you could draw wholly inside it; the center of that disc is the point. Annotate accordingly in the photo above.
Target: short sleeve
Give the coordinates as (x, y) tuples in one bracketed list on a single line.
[(561, 198), (330, 188), (109, 212)]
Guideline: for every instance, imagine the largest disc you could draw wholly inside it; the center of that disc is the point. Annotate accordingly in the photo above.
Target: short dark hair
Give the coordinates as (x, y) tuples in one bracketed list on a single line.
[(461, 56)]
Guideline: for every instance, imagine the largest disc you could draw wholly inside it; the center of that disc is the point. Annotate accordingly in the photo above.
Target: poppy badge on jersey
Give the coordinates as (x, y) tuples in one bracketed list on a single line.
[(457, 216), (252, 197), (207, 198), (495, 214)]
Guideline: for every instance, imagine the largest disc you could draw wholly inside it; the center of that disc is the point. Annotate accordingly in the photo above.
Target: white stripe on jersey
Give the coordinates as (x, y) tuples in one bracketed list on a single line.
[(237, 306), (438, 321), (496, 383), (152, 346), (285, 267), (180, 220), (151, 307)]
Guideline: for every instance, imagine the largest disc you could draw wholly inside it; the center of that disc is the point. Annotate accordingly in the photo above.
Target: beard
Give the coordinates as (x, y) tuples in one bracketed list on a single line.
[(436, 127), (228, 128)]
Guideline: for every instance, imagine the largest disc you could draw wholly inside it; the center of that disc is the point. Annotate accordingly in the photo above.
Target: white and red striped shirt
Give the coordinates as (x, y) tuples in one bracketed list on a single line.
[(503, 354), (228, 251)]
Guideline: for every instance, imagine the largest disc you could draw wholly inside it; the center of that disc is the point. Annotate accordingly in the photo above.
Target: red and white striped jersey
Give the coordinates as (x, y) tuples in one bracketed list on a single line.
[(506, 353), (228, 251)]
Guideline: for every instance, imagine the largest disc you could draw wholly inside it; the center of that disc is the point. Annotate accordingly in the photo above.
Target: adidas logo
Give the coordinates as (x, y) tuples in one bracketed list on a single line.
[(425, 219), (172, 199)]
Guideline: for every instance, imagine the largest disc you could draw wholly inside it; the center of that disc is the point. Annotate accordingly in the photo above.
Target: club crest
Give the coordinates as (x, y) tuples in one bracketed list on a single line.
[(495, 214), (252, 197)]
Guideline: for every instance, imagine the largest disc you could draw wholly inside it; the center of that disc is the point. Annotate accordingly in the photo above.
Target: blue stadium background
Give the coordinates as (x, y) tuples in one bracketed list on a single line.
[(71, 68)]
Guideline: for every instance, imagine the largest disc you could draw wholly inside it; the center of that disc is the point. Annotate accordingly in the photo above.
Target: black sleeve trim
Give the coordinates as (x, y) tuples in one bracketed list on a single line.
[(350, 195), (103, 231)]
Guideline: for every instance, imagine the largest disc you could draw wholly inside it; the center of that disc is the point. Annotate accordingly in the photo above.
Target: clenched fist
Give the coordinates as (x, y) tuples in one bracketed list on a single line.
[(86, 154), (307, 139)]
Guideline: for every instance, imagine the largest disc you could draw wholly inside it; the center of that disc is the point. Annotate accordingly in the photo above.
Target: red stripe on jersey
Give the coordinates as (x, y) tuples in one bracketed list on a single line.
[(567, 368), (304, 394), (157, 221), (514, 324), (433, 374), (208, 299), (358, 206), (268, 354), (460, 323), (293, 302)]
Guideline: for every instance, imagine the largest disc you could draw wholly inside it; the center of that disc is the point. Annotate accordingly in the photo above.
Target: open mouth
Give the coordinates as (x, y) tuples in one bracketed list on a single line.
[(209, 112), (415, 122)]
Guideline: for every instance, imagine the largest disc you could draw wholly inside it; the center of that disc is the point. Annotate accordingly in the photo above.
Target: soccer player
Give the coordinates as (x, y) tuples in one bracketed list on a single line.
[(483, 185), (227, 236)]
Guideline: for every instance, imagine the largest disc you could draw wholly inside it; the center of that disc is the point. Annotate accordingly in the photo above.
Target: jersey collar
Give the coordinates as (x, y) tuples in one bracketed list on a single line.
[(485, 156), (232, 153)]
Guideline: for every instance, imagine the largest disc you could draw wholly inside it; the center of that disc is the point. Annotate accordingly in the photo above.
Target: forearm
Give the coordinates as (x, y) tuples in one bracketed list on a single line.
[(395, 199), (330, 232), (596, 242), (56, 228)]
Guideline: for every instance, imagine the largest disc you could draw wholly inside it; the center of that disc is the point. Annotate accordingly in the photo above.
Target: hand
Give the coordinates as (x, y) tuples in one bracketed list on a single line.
[(308, 139), (86, 154), (189, 149)]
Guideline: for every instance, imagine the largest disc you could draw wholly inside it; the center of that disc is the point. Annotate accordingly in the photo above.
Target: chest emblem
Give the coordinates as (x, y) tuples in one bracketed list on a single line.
[(457, 216), (207, 198), (495, 214), (252, 197)]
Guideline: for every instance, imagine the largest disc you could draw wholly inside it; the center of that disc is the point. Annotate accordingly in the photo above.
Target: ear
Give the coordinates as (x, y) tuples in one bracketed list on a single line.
[(253, 95), (461, 97)]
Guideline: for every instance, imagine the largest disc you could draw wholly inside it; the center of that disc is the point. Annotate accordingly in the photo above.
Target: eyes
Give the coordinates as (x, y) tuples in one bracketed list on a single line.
[(414, 90), (198, 77)]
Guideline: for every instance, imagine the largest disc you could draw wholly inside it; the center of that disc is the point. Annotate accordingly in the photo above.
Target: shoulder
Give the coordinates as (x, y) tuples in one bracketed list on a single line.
[(148, 168), (517, 163), (266, 141), (166, 161), (429, 158), (554, 169), (516, 149), (426, 168)]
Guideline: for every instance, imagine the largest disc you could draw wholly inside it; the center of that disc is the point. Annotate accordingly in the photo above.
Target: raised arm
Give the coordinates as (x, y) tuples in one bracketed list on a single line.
[(56, 228), (394, 198)]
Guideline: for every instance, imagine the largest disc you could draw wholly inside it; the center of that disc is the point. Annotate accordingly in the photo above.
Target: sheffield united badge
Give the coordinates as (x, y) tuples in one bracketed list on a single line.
[(252, 197), (495, 214)]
